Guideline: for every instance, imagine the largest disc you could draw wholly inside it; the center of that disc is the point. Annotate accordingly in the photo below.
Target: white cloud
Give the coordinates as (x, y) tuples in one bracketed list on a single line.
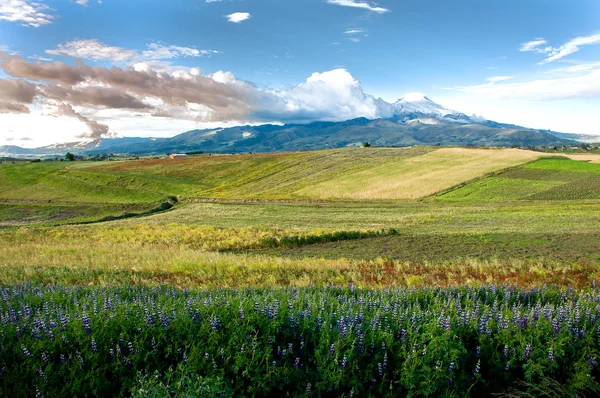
[(533, 45), (495, 79), (82, 2), (576, 68), (26, 12), (96, 50), (586, 86), (571, 47), (359, 4), (238, 17), (354, 31), (159, 51), (568, 116), (334, 95), (556, 53)]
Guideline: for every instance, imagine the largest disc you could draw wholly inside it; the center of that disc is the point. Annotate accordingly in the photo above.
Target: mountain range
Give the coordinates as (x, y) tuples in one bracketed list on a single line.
[(412, 120)]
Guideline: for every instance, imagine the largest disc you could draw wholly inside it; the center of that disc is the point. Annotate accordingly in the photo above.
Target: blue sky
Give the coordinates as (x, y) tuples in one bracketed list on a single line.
[(469, 55)]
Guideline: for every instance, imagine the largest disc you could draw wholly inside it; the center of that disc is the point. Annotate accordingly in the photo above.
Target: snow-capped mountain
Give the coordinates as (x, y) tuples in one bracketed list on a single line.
[(417, 104)]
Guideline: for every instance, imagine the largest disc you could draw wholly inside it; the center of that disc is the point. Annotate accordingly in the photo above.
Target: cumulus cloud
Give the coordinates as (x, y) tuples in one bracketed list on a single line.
[(96, 50), (15, 94), (109, 94), (359, 4), (334, 95), (91, 95), (17, 90), (238, 17), (129, 88), (97, 130), (11, 107), (26, 12)]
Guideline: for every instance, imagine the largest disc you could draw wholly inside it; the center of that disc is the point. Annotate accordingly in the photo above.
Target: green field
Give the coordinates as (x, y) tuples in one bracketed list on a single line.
[(351, 174), (545, 179), (265, 220)]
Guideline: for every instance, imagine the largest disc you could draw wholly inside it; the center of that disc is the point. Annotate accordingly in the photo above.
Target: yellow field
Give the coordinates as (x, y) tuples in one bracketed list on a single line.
[(585, 158), (419, 176)]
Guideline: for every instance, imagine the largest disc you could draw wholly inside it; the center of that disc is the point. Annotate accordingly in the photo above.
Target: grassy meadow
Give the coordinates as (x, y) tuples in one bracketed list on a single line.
[(356, 272), (312, 218)]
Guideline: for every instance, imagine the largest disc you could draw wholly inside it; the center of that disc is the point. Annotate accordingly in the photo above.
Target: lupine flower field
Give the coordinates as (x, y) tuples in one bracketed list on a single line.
[(316, 341)]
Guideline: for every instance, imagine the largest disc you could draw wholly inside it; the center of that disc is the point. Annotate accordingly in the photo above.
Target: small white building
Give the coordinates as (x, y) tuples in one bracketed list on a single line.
[(177, 156)]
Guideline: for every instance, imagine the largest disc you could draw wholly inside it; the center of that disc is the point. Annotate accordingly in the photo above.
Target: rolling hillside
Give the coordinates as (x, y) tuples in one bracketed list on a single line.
[(351, 174)]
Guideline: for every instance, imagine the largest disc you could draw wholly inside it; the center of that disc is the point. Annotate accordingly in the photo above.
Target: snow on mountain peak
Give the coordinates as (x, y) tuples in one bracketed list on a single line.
[(414, 97)]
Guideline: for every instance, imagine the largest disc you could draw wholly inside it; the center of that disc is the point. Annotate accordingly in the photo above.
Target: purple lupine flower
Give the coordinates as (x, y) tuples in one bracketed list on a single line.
[(242, 315), (86, 322), (80, 359), (556, 327), (344, 362), (550, 355), (214, 323), (477, 367), (332, 349), (380, 370), (26, 352), (308, 386), (297, 362), (94, 347), (451, 367), (592, 363), (42, 376), (505, 351), (477, 351), (527, 352)]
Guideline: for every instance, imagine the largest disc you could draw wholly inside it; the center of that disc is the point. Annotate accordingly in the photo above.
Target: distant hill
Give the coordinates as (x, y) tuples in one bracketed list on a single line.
[(414, 120), (414, 129)]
